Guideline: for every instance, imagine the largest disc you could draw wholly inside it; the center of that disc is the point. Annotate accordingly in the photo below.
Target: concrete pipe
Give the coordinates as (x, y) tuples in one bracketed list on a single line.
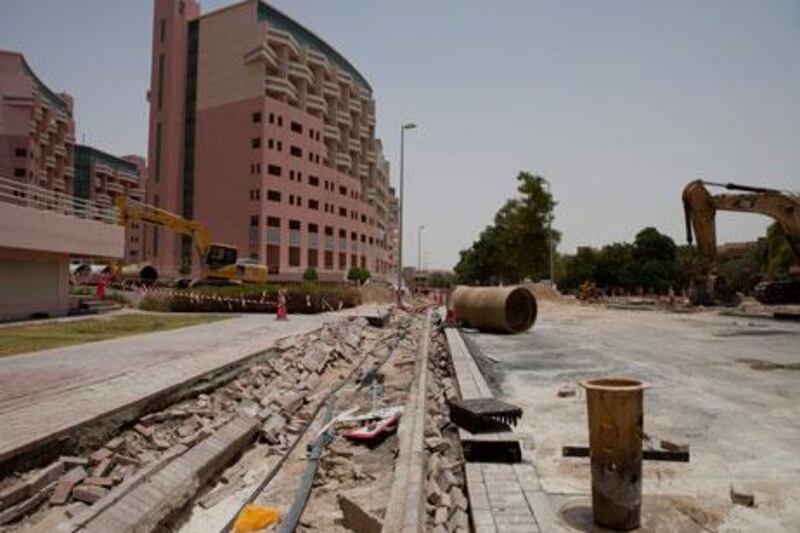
[(496, 309), (615, 443), (139, 273)]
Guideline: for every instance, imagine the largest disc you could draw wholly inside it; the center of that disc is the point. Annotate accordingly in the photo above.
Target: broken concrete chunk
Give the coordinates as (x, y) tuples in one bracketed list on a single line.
[(143, 430), (99, 455), (440, 516), (566, 392), (23, 508), (46, 476), (357, 519), (458, 499), (70, 461), (102, 468), (740, 497), (126, 460), (114, 443), (14, 493), (65, 485), (674, 446), (459, 521), (99, 481), (88, 493)]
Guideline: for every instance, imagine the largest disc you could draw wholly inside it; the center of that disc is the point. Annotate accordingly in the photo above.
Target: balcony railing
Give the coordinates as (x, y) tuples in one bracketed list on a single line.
[(315, 102), (331, 88), (343, 160), (301, 71), (343, 117), (354, 144), (331, 132), (35, 197), (280, 86)]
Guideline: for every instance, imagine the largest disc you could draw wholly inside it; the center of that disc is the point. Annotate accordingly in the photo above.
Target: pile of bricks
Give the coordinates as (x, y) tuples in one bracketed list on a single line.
[(447, 504), (273, 388)]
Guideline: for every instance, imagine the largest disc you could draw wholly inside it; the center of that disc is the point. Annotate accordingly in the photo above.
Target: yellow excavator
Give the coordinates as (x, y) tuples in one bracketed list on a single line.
[(700, 208), (220, 262)]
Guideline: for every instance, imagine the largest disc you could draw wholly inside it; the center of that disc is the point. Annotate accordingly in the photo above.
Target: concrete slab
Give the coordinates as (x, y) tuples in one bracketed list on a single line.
[(44, 395)]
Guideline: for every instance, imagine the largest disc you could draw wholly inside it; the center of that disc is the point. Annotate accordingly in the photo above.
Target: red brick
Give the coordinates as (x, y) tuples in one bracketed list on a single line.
[(46, 476), (99, 481), (144, 431), (88, 493), (102, 468), (99, 455), (13, 494)]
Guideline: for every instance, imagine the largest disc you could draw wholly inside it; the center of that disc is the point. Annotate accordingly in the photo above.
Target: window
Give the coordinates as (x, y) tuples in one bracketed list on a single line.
[(158, 153), (300, 177), (273, 170), (291, 199), (294, 256), (354, 236), (163, 31), (273, 196), (273, 222), (342, 234), (299, 201), (19, 172), (21, 152), (294, 224), (271, 144), (280, 120), (253, 220), (291, 175), (313, 260), (256, 142), (296, 127), (255, 194), (280, 146), (342, 212), (329, 230), (256, 118), (296, 151), (313, 228), (342, 190), (342, 261), (310, 157), (313, 204), (328, 260), (364, 219), (272, 118), (160, 81), (313, 181), (311, 133)]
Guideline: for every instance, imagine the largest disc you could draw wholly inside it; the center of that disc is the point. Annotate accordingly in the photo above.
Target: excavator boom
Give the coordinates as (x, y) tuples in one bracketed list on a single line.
[(700, 208)]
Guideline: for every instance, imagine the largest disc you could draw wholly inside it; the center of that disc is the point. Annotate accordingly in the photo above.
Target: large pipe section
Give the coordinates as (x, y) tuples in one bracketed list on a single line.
[(495, 309), (138, 273), (615, 443)]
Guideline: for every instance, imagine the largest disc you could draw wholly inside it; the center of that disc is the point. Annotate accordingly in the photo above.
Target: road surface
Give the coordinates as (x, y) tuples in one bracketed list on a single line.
[(712, 387)]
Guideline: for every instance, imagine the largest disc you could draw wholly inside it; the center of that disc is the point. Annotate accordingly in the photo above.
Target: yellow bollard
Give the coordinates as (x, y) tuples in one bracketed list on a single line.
[(615, 443)]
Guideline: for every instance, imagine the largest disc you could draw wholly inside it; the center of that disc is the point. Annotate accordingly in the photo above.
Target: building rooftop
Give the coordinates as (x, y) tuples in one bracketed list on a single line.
[(55, 100)]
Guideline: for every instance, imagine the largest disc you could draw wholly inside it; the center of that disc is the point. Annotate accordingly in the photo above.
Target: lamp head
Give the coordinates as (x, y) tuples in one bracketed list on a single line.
[(409, 126)]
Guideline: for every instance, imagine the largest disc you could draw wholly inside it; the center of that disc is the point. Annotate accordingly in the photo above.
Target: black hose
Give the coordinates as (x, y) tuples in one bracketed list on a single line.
[(292, 519)]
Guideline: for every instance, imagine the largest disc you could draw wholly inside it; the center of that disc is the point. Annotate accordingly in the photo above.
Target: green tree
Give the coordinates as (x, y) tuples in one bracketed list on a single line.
[(310, 275), (516, 245), (358, 275)]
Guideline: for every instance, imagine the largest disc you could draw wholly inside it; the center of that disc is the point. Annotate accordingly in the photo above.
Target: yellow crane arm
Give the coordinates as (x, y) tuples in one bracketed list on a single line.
[(701, 207), (127, 212)]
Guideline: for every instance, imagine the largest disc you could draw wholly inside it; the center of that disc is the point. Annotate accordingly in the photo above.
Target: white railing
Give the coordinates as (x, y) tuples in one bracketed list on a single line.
[(35, 197)]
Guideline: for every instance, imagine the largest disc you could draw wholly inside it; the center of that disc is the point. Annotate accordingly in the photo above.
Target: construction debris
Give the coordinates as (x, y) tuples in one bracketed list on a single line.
[(739, 497)]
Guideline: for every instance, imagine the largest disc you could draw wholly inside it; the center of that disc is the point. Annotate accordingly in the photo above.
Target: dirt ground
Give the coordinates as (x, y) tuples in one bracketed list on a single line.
[(727, 386)]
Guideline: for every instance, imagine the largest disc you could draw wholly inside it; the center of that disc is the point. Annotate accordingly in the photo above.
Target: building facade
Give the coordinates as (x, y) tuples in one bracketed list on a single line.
[(37, 131), (266, 134), (100, 177), (42, 224)]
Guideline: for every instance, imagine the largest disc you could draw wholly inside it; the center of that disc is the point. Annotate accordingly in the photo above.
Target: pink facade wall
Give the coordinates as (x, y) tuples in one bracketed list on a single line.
[(166, 168)]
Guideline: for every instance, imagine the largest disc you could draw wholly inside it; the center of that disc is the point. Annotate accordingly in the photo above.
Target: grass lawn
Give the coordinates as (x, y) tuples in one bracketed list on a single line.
[(31, 338)]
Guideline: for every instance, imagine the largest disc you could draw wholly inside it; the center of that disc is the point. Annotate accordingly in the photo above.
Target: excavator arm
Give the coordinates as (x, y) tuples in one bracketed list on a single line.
[(127, 212), (700, 208)]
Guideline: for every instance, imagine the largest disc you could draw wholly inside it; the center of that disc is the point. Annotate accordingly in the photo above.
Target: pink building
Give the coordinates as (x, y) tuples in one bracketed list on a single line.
[(100, 177), (41, 223), (37, 131), (266, 134)]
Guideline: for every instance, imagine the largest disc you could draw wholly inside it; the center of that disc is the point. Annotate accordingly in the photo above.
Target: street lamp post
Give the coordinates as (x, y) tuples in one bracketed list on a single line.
[(550, 240), (420, 229), (403, 128)]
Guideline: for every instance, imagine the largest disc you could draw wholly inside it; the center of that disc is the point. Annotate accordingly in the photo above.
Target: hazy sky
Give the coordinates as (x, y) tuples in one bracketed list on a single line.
[(617, 103)]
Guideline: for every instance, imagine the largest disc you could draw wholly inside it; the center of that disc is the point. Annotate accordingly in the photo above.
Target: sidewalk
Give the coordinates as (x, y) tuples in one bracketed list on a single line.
[(44, 395)]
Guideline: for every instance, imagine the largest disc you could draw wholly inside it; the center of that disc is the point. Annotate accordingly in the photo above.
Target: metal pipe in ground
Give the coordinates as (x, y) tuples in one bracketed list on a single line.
[(615, 442)]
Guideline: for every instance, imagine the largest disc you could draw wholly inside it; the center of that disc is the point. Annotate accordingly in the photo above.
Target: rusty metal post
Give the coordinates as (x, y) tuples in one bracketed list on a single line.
[(615, 442)]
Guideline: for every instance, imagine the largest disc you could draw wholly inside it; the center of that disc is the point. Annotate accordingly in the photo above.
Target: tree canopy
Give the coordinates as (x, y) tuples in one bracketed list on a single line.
[(516, 245)]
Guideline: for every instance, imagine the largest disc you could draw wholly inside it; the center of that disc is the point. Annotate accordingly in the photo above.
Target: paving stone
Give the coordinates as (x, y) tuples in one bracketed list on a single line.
[(102, 468), (356, 518), (99, 455), (88, 493)]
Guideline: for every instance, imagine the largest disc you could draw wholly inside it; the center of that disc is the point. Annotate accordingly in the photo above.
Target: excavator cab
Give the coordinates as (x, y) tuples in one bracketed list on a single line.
[(220, 255)]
